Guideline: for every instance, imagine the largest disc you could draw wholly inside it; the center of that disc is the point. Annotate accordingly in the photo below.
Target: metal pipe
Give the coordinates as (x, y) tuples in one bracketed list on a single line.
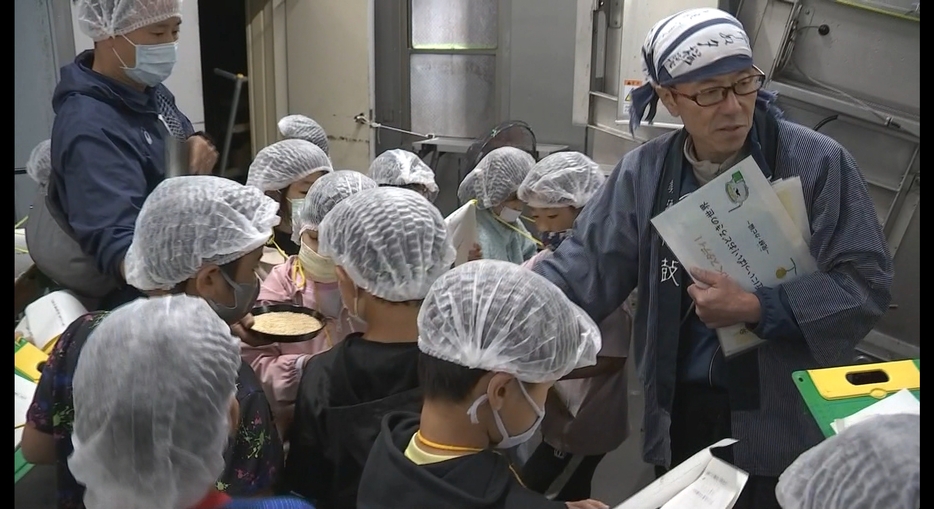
[(900, 193), (238, 80)]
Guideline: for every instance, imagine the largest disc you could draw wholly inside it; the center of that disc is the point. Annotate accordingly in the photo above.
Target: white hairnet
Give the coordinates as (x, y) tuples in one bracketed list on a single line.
[(874, 464), (286, 162), (188, 222), (327, 192), (39, 165), (497, 316), (152, 393), (496, 177), (300, 127), (402, 168), (103, 19), (564, 179), (392, 242)]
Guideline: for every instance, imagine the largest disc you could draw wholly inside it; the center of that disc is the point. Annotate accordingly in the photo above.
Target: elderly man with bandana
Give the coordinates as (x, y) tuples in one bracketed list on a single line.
[(699, 65)]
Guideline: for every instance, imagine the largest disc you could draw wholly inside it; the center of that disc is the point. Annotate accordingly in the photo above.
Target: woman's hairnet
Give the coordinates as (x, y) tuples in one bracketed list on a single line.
[(188, 222), (152, 393), (103, 19), (327, 192), (564, 179), (300, 127), (285, 162), (392, 242), (39, 165), (497, 316), (402, 168), (876, 463), (496, 177)]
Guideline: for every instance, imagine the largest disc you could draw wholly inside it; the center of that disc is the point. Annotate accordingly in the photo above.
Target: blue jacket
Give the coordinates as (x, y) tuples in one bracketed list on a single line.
[(269, 503), (108, 154), (811, 322)]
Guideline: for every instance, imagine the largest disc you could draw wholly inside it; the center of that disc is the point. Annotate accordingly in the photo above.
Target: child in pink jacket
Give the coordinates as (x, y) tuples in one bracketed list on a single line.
[(307, 279), (587, 416)]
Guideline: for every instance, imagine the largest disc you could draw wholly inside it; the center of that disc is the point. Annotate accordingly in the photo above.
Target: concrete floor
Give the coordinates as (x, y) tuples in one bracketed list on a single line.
[(621, 473)]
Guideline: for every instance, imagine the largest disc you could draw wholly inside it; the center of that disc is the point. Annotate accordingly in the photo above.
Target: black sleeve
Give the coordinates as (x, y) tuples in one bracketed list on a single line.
[(308, 473)]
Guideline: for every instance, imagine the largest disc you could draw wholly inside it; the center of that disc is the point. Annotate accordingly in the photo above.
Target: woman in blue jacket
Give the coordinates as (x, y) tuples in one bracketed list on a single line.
[(114, 123)]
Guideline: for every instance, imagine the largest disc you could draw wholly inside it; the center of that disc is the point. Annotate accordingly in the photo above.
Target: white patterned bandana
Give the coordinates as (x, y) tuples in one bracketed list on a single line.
[(692, 45)]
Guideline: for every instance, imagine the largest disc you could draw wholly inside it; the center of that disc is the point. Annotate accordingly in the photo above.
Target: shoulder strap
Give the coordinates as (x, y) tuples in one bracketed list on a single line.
[(52, 204)]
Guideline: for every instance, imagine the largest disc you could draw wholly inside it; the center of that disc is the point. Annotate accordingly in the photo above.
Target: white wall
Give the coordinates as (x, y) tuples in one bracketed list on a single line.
[(185, 81), (328, 47)]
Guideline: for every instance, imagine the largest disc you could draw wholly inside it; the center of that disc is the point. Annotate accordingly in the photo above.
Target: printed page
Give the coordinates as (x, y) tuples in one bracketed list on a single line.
[(791, 194), (462, 225), (23, 391), (718, 487), (736, 225), (901, 402)]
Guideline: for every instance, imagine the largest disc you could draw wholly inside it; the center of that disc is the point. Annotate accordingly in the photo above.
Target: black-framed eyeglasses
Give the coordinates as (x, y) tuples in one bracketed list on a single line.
[(716, 95)]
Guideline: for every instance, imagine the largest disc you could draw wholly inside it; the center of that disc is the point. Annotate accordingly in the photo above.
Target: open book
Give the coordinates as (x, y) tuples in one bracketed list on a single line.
[(738, 224)]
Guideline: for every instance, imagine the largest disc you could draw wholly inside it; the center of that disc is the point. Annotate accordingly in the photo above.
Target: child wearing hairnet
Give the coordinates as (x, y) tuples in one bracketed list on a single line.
[(494, 184), (310, 280), (872, 465), (388, 245), (300, 127), (196, 235), (401, 168), (39, 165), (285, 171), (176, 354), (589, 418), (494, 337)]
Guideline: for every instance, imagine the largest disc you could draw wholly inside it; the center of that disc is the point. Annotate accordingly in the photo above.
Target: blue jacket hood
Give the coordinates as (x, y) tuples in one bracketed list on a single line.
[(77, 78)]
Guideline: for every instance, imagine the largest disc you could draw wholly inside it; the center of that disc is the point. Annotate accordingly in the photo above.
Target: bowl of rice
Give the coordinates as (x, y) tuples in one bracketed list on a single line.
[(287, 323)]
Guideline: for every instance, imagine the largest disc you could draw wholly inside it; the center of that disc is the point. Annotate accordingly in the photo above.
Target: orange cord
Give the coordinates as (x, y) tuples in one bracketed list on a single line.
[(455, 448), (299, 272)]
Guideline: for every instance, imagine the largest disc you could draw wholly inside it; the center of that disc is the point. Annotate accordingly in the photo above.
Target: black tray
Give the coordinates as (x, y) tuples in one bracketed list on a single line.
[(279, 308)]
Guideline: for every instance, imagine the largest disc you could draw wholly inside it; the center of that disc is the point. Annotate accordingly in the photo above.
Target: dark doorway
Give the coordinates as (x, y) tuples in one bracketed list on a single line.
[(224, 46)]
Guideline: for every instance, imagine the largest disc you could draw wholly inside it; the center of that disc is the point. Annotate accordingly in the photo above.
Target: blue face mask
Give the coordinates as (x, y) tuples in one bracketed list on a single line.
[(154, 63), (552, 240)]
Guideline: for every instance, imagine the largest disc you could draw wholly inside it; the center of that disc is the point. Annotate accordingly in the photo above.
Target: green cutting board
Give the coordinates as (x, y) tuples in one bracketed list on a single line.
[(827, 410), (22, 467)]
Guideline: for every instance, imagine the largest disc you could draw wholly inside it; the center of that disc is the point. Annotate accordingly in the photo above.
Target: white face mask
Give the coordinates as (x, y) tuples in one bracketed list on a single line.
[(295, 206), (510, 215), (318, 268), (154, 62), (508, 442)]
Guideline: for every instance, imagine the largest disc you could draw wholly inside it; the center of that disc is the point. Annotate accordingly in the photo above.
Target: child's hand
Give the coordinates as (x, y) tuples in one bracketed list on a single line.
[(587, 504), (244, 330), (475, 253)]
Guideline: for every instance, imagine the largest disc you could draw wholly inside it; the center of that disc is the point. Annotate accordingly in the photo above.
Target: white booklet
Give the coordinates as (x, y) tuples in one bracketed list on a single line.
[(791, 194), (23, 391), (737, 225), (462, 226), (700, 482), (901, 402)]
